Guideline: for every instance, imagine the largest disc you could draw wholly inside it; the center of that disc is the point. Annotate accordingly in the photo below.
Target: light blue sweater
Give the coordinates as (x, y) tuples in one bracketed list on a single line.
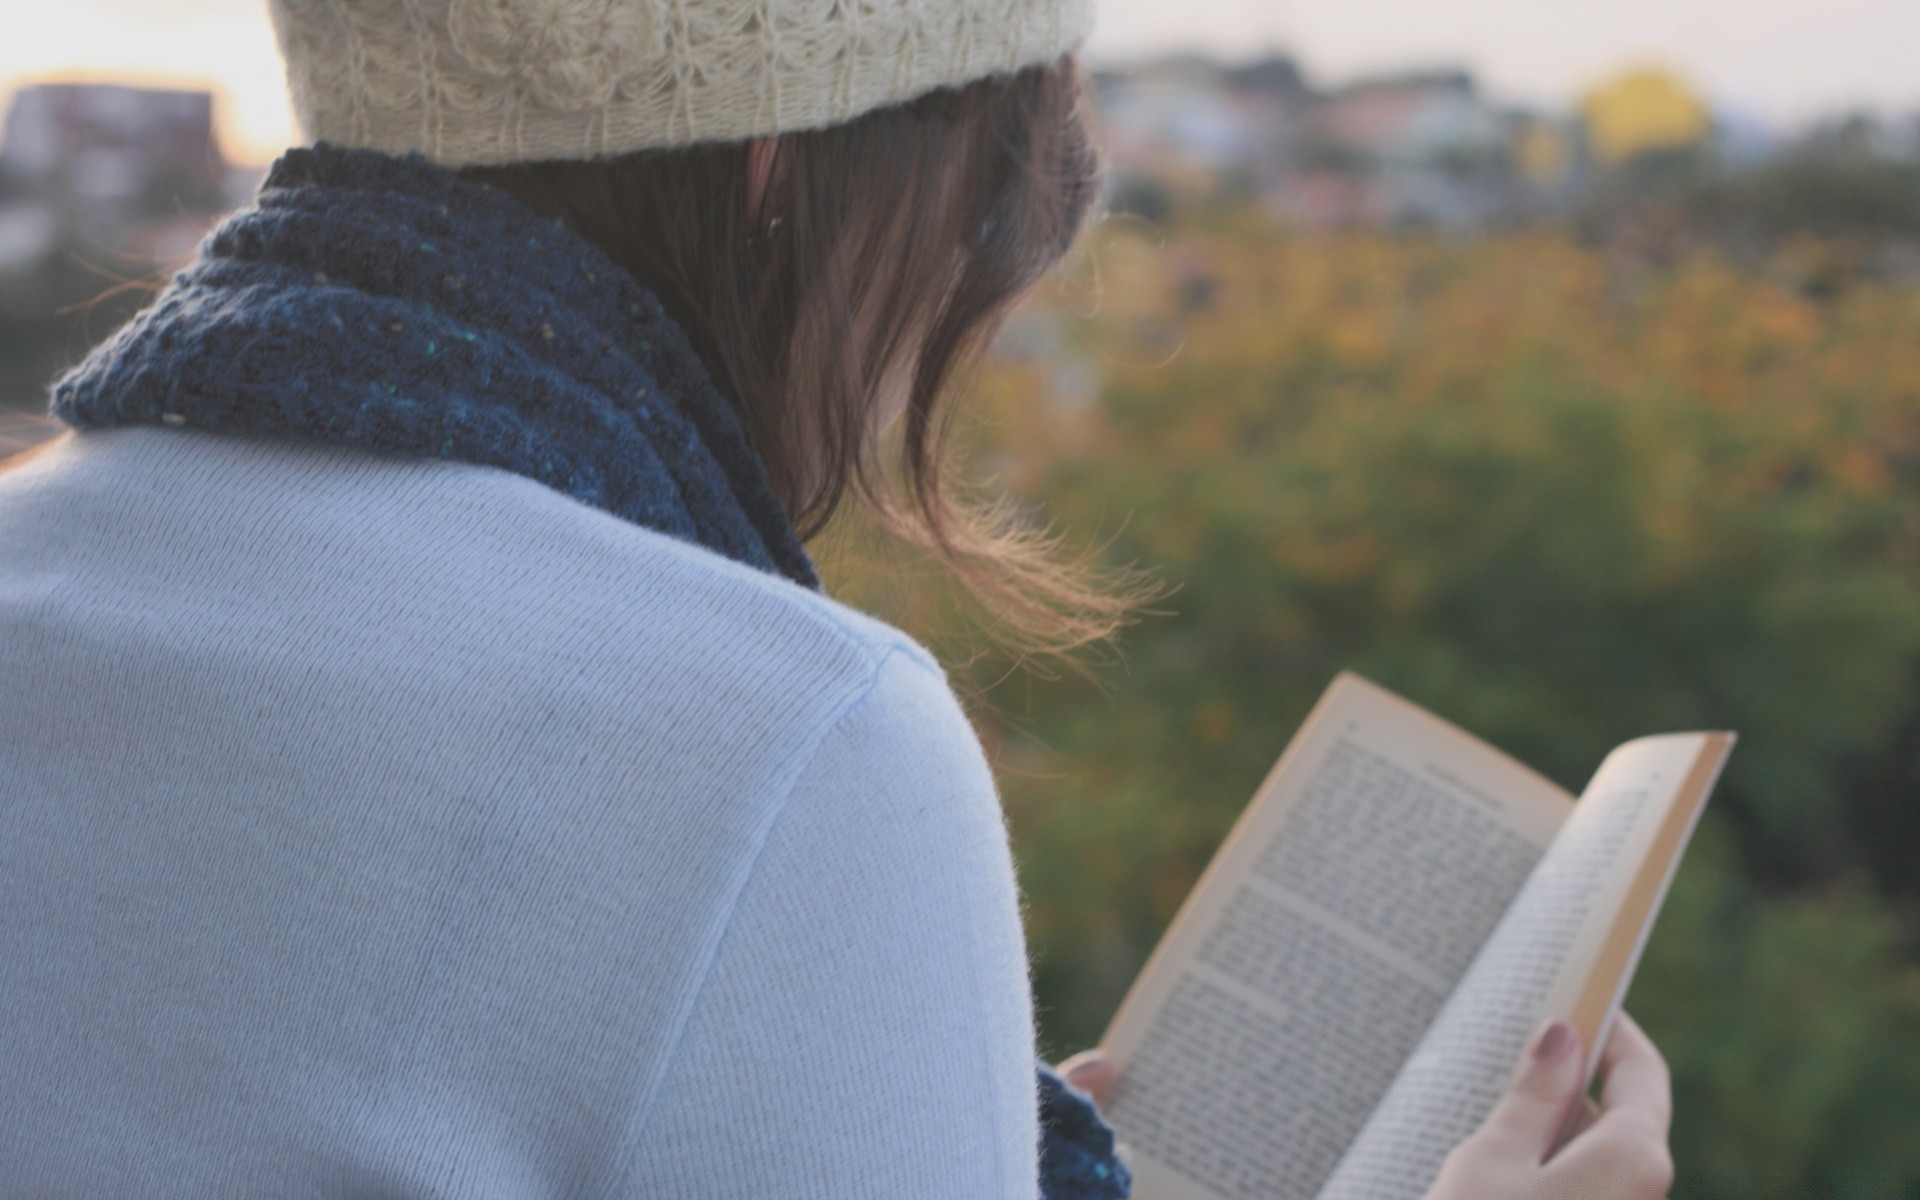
[(383, 826)]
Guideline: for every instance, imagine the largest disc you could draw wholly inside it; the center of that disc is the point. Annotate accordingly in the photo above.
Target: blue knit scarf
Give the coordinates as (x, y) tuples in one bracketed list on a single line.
[(384, 302), (388, 303)]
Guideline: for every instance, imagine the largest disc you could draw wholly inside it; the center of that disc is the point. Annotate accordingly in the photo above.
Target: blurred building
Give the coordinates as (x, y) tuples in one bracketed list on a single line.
[(107, 138), (125, 172), (1187, 123), (1419, 149), (101, 185), (1411, 149)]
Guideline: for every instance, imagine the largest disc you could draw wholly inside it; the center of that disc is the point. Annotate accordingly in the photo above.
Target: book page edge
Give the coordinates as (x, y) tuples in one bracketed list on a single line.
[(1598, 1000)]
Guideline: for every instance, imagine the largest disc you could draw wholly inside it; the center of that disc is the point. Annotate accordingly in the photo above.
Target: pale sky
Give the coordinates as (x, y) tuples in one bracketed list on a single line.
[(1786, 61)]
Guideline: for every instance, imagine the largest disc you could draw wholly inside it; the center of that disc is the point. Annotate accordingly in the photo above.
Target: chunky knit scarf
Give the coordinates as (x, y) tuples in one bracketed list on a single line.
[(384, 302), (390, 304)]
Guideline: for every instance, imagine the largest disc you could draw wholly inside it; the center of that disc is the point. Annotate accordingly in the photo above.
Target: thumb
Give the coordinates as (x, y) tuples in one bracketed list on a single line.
[(1092, 1071), (1529, 1115)]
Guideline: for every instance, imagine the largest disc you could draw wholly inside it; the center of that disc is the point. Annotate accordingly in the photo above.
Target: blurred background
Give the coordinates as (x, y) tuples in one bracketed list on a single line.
[(1557, 366)]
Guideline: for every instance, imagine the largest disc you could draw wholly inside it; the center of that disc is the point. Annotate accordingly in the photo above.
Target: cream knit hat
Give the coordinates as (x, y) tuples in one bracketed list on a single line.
[(495, 81)]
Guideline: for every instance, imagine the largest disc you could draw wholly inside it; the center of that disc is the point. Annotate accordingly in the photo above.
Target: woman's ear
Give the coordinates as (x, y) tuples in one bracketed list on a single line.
[(759, 169)]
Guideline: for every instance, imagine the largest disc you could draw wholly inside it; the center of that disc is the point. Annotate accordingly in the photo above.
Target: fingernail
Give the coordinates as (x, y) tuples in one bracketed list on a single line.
[(1555, 1039)]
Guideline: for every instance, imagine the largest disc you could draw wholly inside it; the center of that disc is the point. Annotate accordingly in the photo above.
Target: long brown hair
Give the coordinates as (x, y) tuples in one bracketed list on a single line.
[(894, 242)]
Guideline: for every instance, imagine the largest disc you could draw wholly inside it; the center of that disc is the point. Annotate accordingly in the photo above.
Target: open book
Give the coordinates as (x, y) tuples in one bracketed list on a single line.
[(1344, 995)]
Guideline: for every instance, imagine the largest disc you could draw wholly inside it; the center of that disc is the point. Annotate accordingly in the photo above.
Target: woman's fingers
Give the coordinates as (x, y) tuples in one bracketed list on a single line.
[(1544, 1085), (1625, 1144), (1636, 1083), (1616, 1149), (1092, 1072)]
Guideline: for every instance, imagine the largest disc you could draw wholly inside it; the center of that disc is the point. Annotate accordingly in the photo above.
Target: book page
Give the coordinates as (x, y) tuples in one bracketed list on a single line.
[(1318, 946), (1567, 947)]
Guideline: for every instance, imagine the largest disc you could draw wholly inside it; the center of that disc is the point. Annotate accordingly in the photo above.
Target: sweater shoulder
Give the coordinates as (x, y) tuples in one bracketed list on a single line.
[(387, 553), (548, 748)]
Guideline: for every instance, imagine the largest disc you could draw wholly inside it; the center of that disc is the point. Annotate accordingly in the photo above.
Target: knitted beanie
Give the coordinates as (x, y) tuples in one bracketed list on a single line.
[(467, 82)]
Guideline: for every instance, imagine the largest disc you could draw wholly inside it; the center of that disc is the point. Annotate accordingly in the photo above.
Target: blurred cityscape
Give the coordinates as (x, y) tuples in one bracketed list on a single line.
[(104, 187), (1429, 149)]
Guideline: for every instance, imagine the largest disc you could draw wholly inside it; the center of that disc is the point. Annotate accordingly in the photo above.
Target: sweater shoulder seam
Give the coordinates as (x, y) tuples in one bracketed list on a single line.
[(785, 776)]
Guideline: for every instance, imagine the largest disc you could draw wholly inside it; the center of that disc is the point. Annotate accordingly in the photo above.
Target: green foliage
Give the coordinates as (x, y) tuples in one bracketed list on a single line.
[(1558, 498), (1791, 1027)]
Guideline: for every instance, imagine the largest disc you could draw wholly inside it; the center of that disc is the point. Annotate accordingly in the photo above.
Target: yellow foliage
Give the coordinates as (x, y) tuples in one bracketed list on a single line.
[(1647, 108), (1561, 495)]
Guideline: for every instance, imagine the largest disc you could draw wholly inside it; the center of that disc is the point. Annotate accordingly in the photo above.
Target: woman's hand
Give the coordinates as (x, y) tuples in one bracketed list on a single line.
[(1619, 1151), (1616, 1150)]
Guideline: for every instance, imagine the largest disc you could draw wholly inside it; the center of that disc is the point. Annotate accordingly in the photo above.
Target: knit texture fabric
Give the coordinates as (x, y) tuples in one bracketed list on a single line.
[(366, 300), (496, 81), (386, 303), (1078, 1154)]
